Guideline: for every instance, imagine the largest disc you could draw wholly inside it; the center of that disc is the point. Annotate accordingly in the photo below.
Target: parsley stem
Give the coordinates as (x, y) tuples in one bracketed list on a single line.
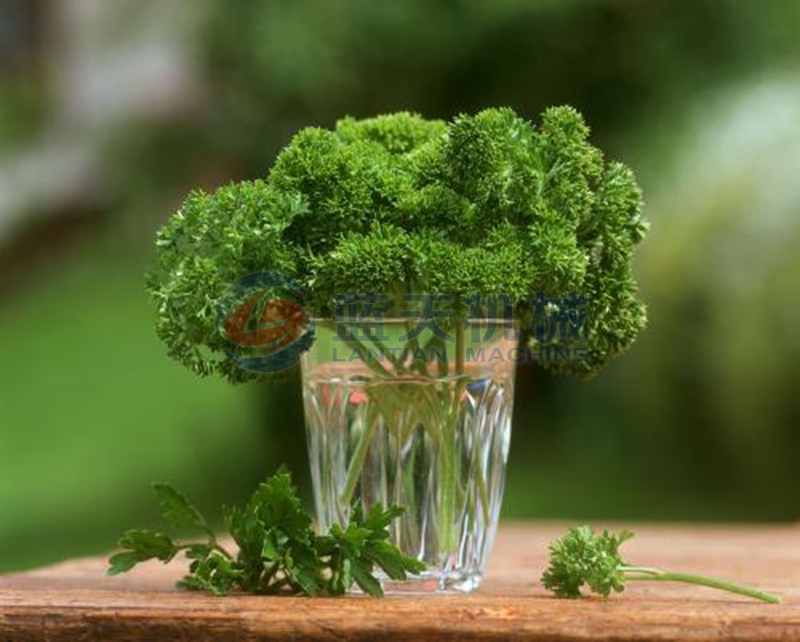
[(359, 456), (484, 495), (219, 547), (447, 447), (644, 573), (212, 544), (459, 346)]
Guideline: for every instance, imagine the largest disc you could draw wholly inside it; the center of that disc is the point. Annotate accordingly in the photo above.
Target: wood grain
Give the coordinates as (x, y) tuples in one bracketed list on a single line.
[(73, 601)]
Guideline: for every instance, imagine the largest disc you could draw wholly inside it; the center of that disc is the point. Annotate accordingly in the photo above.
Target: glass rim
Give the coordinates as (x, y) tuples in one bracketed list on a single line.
[(419, 319)]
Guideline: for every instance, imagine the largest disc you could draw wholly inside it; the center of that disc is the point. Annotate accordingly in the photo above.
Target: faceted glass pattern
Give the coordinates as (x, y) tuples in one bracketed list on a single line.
[(429, 440)]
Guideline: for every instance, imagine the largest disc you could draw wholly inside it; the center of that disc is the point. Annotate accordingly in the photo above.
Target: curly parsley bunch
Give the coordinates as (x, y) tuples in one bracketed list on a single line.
[(488, 203)]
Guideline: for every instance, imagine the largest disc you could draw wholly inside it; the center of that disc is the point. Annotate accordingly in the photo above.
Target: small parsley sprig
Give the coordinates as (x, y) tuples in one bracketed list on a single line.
[(278, 551), (583, 558)]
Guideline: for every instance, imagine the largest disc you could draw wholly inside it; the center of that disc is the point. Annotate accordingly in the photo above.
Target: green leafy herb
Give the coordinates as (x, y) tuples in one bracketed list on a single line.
[(489, 203), (583, 558), (178, 510), (278, 551), (354, 551), (141, 545)]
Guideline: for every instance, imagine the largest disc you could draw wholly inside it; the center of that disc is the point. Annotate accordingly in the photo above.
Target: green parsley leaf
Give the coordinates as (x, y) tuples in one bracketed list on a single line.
[(353, 552), (362, 572), (140, 546), (122, 562), (178, 510), (272, 529)]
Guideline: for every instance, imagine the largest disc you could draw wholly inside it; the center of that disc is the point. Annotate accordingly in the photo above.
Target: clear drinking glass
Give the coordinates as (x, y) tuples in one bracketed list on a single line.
[(429, 433)]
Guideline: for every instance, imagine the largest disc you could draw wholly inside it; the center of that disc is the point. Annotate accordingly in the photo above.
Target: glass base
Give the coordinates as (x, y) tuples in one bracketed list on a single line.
[(432, 581)]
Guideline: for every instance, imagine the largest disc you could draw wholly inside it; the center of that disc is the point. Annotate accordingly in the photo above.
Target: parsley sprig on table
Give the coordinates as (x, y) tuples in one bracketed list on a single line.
[(278, 551), (582, 557)]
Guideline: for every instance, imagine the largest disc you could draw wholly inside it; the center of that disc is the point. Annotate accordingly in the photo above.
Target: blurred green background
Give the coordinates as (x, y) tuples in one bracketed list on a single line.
[(110, 110)]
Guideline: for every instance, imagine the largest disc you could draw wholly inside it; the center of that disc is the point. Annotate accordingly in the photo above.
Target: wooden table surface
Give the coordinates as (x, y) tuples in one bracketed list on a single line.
[(74, 602)]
